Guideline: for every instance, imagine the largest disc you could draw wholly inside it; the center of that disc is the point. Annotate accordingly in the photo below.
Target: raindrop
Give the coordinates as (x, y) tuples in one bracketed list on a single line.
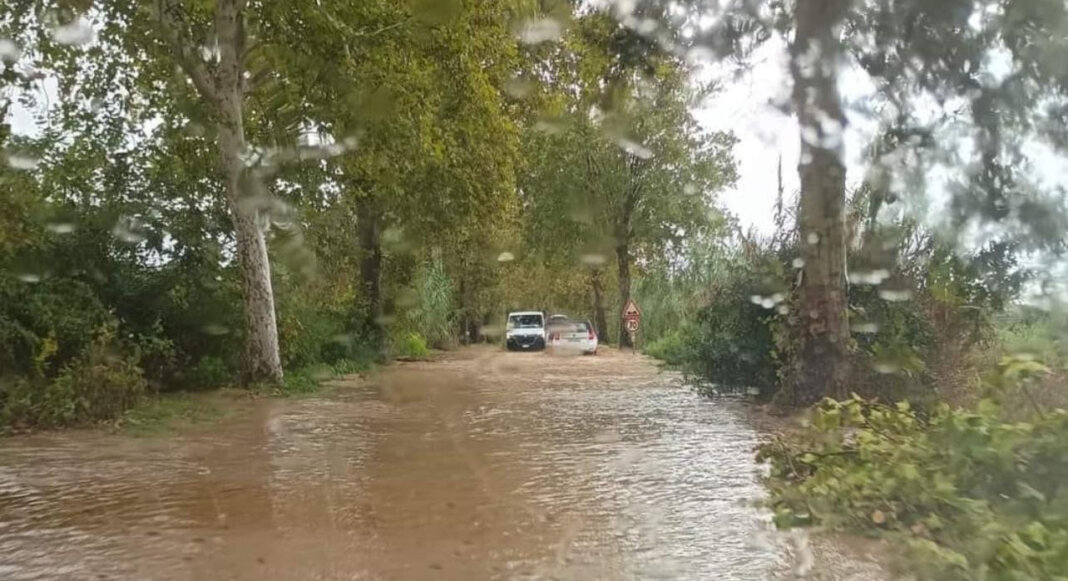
[(636, 149), (60, 227), (799, 263), (74, 33), (9, 51), (593, 259), (505, 257), (895, 296), (551, 126), (756, 299), (813, 238), (767, 303), (539, 31), (23, 162), (215, 329), (342, 339), (129, 230), (784, 310), (865, 328), (30, 277), (646, 27), (518, 87), (778, 298), (886, 368), (875, 277)]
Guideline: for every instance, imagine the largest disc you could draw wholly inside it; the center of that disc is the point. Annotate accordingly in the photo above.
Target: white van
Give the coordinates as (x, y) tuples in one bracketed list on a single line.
[(525, 331)]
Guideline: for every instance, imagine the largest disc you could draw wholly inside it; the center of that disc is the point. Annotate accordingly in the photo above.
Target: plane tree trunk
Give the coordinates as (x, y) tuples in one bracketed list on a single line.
[(823, 365), (223, 90)]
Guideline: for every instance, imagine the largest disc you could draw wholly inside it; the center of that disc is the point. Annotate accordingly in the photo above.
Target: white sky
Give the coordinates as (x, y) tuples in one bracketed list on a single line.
[(747, 106)]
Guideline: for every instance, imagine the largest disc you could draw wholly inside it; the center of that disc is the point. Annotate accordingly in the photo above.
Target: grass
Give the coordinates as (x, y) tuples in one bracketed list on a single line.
[(167, 413), (309, 380)]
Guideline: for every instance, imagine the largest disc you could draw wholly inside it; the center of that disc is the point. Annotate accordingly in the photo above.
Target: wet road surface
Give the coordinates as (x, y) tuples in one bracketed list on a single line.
[(485, 465)]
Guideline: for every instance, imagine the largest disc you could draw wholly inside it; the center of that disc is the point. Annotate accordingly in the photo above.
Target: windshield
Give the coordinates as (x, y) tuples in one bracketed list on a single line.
[(534, 289), (525, 321)]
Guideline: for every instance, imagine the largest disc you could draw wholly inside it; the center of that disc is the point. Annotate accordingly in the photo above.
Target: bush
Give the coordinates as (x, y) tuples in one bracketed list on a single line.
[(672, 348), (208, 372), (410, 346), (100, 384), (433, 316), (731, 343), (964, 494)]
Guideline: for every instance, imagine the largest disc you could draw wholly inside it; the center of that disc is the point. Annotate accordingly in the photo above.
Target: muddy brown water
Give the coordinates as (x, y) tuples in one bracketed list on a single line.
[(485, 465)]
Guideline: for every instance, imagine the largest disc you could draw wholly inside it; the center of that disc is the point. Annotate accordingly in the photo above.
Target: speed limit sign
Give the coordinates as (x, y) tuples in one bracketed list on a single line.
[(632, 325)]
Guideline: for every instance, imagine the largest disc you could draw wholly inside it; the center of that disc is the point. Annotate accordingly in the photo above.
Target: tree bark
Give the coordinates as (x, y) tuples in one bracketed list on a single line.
[(223, 91), (369, 231), (623, 258), (599, 315), (823, 365), (262, 361)]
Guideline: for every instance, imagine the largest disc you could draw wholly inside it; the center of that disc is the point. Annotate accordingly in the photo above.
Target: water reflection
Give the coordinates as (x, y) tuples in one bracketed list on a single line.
[(485, 466)]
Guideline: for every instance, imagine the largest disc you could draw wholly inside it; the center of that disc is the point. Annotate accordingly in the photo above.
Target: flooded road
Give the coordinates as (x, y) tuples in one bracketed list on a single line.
[(484, 465)]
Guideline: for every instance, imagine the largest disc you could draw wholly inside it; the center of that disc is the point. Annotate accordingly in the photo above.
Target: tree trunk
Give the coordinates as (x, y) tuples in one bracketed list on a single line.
[(223, 90), (599, 316), (261, 362), (623, 257), (824, 334), (369, 233)]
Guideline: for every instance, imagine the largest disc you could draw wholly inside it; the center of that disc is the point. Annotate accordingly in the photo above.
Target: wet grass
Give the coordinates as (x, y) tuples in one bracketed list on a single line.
[(314, 379), (169, 413)]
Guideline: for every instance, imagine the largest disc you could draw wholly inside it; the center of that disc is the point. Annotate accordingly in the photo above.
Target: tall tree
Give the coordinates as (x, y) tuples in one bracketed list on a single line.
[(222, 84), (815, 54)]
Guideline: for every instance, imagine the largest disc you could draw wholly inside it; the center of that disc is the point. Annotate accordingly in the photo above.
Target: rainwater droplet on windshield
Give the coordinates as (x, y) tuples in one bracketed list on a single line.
[(9, 51), (74, 33), (539, 31)]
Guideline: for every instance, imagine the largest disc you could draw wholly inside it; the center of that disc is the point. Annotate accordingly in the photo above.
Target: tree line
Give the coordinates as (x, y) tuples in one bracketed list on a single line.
[(225, 191), (262, 192)]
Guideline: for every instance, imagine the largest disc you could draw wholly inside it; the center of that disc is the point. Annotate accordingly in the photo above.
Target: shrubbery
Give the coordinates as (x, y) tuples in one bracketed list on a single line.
[(99, 384), (410, 346), (672, 348), (965, 494)]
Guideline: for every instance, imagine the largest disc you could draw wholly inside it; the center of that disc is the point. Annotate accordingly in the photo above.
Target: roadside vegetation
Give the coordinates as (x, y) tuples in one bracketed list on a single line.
[(266, 195)]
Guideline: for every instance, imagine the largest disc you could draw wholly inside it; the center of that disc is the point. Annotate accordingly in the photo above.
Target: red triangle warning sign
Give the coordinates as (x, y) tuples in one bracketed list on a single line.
[(631, 310)]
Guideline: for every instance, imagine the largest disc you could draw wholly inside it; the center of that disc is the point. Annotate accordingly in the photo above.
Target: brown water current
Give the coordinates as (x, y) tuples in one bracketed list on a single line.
[(484, 465)]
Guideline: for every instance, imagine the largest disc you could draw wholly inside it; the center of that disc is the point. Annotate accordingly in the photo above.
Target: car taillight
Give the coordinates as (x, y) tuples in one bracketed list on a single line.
[(592, 335)]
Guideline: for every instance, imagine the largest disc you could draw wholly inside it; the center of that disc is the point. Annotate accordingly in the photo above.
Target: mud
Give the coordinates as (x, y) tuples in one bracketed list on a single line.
[(483, 465)]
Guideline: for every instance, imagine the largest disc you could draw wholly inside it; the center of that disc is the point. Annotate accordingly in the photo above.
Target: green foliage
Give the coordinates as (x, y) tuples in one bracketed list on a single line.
[(309, 380), (207, 372), (965, 494), (97, 385), (410, 346), (671, 348), (431, 308)]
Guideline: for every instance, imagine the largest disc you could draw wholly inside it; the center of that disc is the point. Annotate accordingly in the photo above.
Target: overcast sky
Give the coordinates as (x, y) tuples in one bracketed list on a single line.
[(747, 106)]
